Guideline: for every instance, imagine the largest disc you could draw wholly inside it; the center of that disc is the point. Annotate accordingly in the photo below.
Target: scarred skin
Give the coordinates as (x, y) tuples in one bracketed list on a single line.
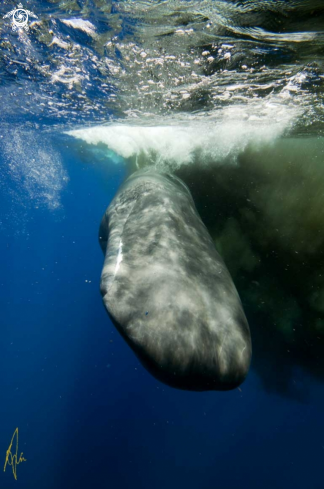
[(168, 291)]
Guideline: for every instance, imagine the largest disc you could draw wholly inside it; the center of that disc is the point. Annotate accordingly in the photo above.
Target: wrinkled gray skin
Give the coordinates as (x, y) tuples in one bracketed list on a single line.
[(167, 290)]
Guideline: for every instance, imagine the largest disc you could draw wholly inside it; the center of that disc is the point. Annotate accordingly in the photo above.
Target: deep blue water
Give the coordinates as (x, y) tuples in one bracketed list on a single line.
[(88, 413)]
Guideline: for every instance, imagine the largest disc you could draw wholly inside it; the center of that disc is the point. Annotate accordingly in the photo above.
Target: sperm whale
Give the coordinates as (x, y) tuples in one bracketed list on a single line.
[(166, 288)]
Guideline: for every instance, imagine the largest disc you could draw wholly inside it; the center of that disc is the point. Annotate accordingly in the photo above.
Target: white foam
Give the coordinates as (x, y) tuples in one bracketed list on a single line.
[(82, 25), (211, 140), (59, 42), (67, 76)]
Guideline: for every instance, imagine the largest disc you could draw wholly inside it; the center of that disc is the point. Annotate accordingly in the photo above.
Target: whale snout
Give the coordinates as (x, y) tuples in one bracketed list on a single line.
[(168, 291), (180, 348)]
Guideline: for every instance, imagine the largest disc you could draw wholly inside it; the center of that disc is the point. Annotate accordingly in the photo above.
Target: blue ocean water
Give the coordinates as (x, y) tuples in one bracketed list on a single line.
[(88, 413)]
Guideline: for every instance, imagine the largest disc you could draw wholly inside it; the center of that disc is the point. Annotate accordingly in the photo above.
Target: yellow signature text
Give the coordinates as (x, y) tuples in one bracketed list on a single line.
[(12, 459)]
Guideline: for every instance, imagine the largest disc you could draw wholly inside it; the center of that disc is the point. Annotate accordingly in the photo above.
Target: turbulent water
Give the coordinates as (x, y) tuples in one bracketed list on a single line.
[(228, 94), (145, 61)]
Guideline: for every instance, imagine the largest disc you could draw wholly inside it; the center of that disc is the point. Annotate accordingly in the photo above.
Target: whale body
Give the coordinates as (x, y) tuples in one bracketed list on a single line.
[(166, 288)]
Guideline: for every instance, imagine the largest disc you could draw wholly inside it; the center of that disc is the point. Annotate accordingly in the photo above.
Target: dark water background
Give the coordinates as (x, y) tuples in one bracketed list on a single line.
[(88, 414)]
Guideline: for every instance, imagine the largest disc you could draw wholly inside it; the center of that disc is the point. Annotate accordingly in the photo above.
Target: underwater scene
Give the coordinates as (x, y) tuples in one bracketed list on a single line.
[(162, 244)]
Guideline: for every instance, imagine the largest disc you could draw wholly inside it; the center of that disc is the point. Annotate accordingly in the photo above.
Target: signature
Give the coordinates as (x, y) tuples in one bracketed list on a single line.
[(13, 459)]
